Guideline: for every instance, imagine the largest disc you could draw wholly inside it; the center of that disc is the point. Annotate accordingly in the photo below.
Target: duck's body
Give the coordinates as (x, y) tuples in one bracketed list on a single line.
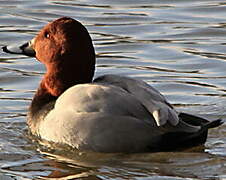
[(111, 113), (115, 114)]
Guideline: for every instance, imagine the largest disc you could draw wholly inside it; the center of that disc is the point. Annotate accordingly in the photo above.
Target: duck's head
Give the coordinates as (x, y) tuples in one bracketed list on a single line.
[(62, 45)]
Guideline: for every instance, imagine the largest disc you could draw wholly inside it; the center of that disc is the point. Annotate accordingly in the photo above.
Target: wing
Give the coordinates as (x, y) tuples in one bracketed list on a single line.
[(104, 99), (151, 99)]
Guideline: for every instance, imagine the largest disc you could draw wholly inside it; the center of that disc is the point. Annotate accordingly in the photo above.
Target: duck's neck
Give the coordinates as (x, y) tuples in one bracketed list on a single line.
[(56, 80)]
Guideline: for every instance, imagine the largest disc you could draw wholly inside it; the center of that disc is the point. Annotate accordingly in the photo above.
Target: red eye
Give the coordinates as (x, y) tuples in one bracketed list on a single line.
[(47, 35)]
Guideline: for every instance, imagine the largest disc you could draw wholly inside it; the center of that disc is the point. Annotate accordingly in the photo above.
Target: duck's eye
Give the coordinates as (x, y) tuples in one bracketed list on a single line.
[(47, 35)]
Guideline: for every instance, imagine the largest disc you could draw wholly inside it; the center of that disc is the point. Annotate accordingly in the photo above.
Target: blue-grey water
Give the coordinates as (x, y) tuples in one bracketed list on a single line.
[(177, 46)]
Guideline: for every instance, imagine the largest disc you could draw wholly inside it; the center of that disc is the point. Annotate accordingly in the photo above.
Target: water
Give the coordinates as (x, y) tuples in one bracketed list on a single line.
[(176, 46)]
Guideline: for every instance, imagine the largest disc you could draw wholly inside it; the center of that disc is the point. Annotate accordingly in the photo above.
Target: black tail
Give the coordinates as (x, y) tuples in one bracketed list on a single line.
[(198, 121), (182, 140)]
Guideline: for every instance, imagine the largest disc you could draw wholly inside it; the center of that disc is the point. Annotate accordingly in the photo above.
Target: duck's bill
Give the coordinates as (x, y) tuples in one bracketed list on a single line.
[(25, 49)]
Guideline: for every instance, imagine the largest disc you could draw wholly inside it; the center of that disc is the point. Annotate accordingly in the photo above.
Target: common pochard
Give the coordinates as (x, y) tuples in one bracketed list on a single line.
[(111, 113)]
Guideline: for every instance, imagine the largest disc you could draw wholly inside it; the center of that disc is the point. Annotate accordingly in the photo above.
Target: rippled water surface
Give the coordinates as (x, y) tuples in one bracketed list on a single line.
[(177, 46)]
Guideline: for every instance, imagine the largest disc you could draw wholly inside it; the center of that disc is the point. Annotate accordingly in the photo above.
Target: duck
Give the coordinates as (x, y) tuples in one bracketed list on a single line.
[(109, 114)]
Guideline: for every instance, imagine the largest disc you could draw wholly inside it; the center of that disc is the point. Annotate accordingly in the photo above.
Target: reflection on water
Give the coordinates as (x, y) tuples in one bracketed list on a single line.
[(176, 46)]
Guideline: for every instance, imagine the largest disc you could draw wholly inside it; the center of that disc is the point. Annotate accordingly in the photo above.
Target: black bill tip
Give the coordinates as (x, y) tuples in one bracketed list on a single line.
[(5, 49)]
